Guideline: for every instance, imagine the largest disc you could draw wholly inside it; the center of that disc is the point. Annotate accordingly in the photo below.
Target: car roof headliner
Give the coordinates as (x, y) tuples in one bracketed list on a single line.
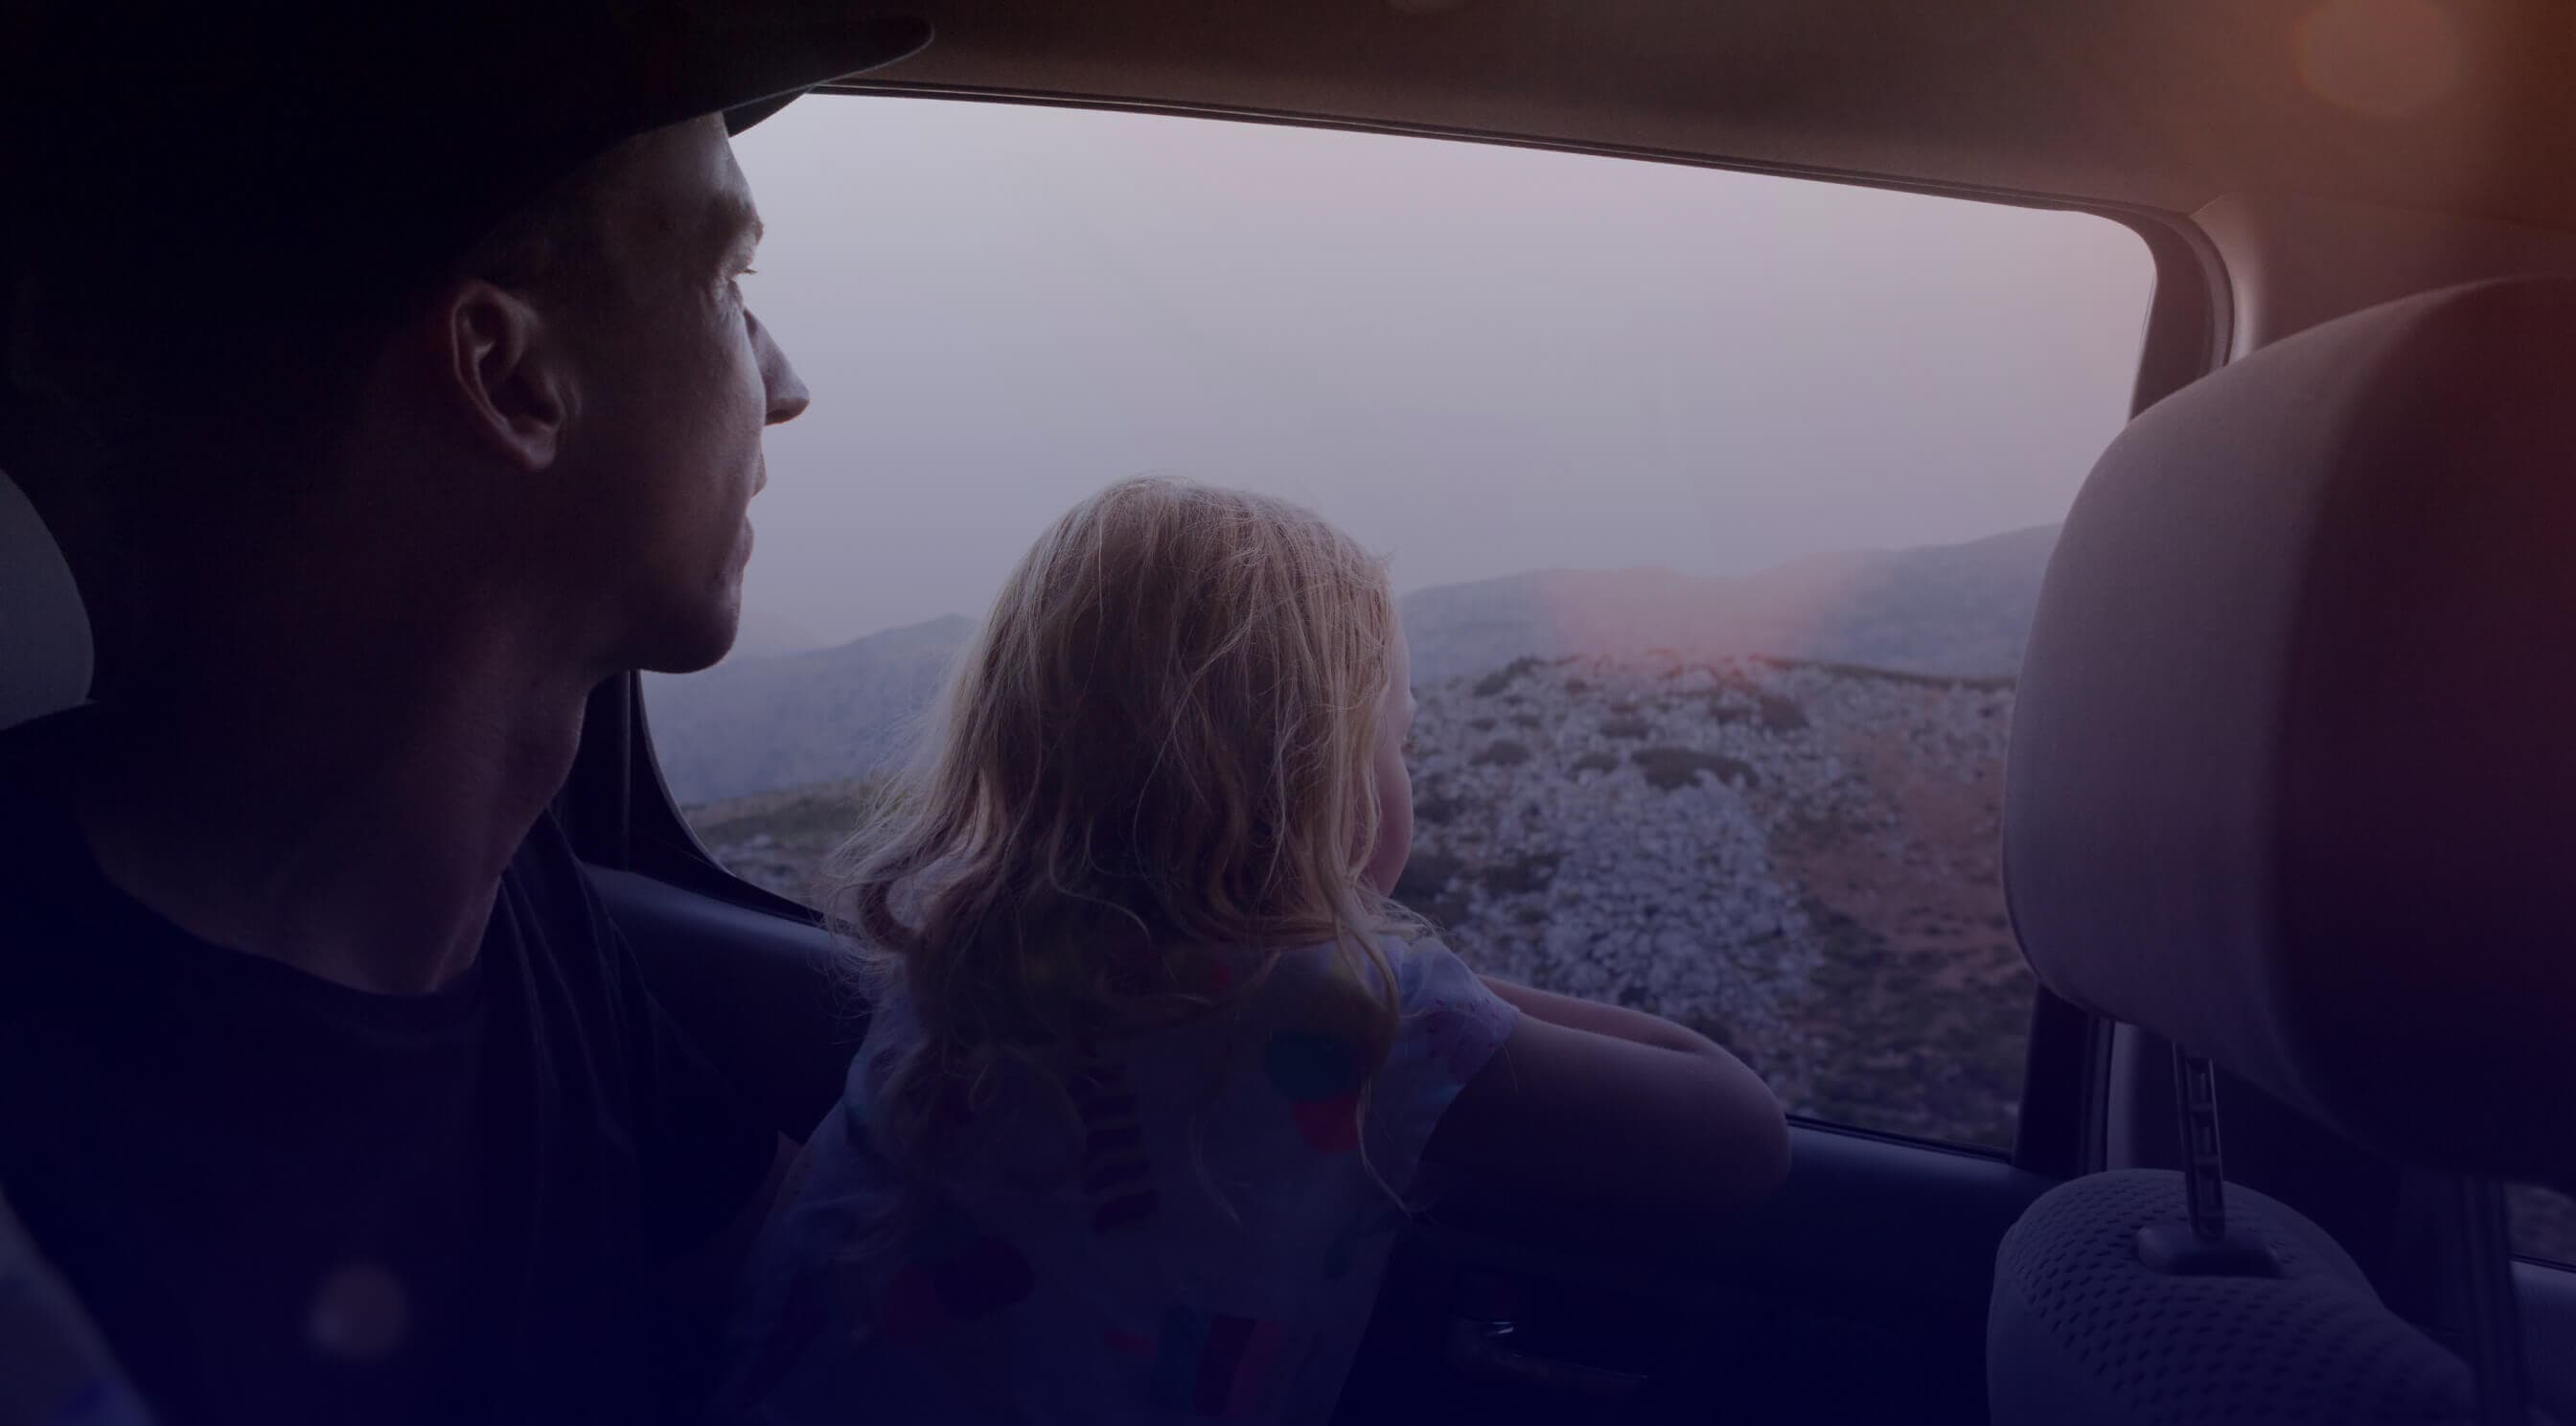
[(2160, 104)]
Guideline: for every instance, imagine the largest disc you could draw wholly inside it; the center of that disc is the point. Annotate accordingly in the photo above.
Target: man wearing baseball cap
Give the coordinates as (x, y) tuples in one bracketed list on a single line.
[(383, 372)]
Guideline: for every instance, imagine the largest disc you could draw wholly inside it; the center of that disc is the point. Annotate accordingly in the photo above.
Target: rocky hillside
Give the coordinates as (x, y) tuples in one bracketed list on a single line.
[(1797, 859), (762, 723)]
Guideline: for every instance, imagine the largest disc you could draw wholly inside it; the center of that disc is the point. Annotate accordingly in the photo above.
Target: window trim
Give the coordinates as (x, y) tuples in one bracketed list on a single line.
[(2068, 1076), (620, 813)]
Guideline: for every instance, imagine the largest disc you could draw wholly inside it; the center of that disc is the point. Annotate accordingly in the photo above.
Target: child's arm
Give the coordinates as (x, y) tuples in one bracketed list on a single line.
[(1616, 1021), (1595, 1107)]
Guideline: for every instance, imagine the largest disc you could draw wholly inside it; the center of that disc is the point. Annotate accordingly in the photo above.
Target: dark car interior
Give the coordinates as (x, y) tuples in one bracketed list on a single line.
[(2283, 833)]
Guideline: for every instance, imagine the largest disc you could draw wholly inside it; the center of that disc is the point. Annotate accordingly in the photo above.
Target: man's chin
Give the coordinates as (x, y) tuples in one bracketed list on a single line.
[(691, 645)]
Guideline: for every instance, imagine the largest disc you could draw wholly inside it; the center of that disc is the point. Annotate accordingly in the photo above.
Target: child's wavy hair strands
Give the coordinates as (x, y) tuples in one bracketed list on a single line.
[(1159, 742)]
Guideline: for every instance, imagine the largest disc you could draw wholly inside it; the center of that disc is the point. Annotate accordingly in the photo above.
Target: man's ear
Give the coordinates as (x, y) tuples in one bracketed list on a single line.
[(511, 371)]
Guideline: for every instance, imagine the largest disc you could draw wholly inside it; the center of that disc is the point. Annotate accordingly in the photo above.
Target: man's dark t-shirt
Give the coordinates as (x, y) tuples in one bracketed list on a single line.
[(286, 1201)]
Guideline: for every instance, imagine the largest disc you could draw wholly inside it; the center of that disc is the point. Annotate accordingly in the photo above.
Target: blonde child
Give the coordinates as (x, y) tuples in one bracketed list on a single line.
[(1156, 1069)]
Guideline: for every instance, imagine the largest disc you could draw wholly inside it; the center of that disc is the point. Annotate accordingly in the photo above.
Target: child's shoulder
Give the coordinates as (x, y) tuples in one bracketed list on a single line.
[(1361, 967), (1399, 985)]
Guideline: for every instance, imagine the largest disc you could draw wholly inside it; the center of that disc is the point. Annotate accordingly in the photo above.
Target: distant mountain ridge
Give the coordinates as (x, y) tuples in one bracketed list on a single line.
[(766, 635), (1947, 609), (753, 723)]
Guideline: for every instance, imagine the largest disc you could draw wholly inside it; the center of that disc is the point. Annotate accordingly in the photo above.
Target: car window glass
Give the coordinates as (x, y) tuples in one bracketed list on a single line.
[(2543, 1223), (1717, 504)]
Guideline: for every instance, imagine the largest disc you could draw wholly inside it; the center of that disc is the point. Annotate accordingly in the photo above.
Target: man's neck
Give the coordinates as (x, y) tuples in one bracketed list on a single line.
[(342, 810)]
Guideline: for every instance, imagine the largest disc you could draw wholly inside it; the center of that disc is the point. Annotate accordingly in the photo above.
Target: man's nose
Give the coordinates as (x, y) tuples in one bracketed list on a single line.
[(788, 397)]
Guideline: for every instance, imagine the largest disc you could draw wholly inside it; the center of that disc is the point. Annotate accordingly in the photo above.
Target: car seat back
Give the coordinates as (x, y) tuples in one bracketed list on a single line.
[(2288, 787)]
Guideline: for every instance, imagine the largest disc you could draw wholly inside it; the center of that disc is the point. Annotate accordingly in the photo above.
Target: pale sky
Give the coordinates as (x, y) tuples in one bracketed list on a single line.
[(1478, 359)]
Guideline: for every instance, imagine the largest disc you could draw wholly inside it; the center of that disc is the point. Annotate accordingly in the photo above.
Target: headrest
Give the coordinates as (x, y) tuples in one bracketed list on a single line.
[(2293, 767), (44, 631)]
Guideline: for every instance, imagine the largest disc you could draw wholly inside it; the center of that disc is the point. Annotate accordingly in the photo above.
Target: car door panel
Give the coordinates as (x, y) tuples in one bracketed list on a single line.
[(1857, 1292)]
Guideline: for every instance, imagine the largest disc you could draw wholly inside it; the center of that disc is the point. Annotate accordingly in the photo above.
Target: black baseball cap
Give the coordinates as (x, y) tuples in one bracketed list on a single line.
[(366, 142)]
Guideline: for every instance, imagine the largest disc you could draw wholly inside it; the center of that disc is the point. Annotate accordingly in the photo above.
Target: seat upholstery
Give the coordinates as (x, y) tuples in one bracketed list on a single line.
[(767, 998), (2289, 786), (2092, 1334), (2290, 776)]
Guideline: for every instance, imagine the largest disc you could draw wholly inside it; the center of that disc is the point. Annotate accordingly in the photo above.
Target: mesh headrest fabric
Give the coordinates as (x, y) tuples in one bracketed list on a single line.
[(2082, 1331)]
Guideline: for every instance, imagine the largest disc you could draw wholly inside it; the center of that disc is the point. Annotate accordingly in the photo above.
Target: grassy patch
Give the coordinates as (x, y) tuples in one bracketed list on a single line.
[(1713, 1028), (1423, 888), (1981, 682), (1529, 874), (1674, 768), (1506, 676), (799, 817), (781, 840), (1437, 810), (1907, 1047)]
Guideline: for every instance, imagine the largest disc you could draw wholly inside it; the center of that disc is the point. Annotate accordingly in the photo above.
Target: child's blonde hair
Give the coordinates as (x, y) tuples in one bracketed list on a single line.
[(1160, 742)]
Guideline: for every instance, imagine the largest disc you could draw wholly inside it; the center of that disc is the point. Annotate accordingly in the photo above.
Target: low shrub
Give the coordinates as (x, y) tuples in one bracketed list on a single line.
[(1505, 676), (1782, 715), (1673, 768)]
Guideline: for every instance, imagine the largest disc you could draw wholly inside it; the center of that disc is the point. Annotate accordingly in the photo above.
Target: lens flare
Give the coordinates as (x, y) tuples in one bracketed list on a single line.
[(360, 1313), (2385, 58)]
